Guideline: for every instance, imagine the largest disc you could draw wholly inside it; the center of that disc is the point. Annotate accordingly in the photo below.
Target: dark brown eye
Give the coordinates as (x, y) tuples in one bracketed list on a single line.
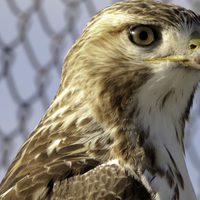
[(142, 35)]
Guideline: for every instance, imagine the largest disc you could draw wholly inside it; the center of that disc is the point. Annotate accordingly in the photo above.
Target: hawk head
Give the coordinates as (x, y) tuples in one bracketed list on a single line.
[(126, 89)]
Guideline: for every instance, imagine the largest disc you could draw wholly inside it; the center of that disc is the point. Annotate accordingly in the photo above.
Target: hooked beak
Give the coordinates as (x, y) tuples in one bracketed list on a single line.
[(192, 59)]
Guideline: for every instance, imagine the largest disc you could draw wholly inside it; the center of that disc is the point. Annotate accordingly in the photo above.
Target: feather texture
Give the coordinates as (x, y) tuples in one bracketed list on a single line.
[(112, 104)]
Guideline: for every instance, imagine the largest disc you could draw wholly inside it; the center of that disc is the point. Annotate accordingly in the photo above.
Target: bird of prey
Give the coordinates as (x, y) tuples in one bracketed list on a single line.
[(115, 128)]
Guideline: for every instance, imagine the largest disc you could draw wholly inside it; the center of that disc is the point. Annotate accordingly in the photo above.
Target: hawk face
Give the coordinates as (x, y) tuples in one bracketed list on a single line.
[(125, 93)]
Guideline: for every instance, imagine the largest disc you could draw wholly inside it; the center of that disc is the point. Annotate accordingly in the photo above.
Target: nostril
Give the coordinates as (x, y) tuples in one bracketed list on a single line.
[(193, 46)]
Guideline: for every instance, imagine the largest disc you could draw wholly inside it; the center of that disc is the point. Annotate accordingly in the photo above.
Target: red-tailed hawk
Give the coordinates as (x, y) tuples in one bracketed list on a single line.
[(115, 128)]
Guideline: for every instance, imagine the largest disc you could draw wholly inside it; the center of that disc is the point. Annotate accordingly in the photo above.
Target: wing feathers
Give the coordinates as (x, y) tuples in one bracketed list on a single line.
[(105, 182)]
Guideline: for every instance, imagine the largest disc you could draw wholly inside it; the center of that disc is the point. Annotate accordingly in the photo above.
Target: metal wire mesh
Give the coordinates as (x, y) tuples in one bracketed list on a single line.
[(34, 38)]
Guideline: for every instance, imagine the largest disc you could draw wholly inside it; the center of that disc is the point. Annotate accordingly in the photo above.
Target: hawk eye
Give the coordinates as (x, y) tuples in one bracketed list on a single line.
[(142, 35)]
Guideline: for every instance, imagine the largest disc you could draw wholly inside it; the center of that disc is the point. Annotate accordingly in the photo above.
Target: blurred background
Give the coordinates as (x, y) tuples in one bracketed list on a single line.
[(35, 36)]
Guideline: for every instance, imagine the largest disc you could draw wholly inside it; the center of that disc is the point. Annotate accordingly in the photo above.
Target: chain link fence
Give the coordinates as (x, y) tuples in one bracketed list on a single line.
[(35, 35)]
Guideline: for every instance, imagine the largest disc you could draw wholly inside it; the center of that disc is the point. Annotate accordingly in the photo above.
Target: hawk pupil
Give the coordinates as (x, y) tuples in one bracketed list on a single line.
[(143, 35)]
